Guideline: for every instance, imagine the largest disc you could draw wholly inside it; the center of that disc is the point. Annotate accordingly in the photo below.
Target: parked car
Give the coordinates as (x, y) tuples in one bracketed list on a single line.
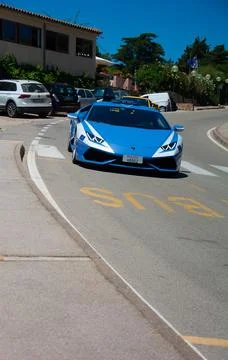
[(119, 93), (164, 101), (108, 93), (85, 96), (64, 97), (136, 100), (24, 96), (121, 135)]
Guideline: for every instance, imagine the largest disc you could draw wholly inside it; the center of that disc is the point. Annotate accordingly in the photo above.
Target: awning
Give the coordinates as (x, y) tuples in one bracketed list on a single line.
[(101, 61)]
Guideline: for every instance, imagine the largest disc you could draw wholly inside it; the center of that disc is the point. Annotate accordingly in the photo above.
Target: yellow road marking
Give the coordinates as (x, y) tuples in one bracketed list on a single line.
[(194, 206), (206, 341), (105, 194), (131, 198)]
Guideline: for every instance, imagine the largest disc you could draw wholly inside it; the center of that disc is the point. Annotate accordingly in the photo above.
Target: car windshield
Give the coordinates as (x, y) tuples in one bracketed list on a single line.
[(33, 88), (129, 117)]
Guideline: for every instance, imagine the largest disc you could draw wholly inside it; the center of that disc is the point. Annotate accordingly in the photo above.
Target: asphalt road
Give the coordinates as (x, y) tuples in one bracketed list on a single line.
[(166, 236)]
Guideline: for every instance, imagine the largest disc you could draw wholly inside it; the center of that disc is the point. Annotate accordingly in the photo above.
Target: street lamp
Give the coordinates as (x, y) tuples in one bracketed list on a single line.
[(193, 75), (218, 79), (226, 82), (174, 70)]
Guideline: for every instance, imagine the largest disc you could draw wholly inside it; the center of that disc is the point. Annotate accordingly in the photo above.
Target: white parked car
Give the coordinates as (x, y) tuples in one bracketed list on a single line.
[(163, 100), (24, 96), (85, 96)]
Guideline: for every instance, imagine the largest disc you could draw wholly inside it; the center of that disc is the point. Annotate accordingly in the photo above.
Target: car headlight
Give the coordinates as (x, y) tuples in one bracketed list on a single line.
[(169, 147), (94, 138)]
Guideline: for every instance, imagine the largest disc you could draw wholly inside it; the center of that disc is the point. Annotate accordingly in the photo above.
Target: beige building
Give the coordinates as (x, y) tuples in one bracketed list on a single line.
[(37, 39)]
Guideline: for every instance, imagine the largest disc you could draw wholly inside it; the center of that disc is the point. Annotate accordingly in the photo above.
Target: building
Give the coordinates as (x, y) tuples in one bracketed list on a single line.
[(41, 40)]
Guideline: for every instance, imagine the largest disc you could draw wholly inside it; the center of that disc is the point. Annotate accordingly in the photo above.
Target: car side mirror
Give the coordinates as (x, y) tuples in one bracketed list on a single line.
[(73, 116), (178, 127)]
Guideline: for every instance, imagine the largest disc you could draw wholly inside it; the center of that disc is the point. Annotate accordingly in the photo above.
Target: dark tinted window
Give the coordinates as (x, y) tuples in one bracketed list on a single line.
[(98, 92), (57, 42), (81, 93), (128, 116), (9, 30), (88, 94), (7, 86), (29, 35), (84, 47), (20, 33), (63, 89)]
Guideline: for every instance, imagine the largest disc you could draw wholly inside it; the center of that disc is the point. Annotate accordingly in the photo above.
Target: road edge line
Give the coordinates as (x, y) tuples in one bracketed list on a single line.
[(31, 174)]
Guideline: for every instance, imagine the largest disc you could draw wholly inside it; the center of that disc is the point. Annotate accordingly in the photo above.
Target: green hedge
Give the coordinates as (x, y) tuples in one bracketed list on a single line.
[(10, 69)]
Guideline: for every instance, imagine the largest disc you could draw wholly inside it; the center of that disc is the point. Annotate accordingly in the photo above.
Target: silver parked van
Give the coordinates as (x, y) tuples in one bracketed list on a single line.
[(164, 101)]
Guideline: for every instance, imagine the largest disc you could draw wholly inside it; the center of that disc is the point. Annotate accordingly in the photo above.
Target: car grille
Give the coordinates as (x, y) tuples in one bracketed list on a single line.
[(98, 156), (166, 163), (163, 163)]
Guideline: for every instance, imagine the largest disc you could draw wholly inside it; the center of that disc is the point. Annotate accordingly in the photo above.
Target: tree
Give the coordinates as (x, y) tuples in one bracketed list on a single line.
[(198, 48), (138, 51), (219, 55)]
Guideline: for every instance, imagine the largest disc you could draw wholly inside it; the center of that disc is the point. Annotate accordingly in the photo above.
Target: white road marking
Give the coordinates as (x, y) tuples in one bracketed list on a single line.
[(209, 134), (44, 258), (222, 168), (37, 179), (49, 151), (196, 169)]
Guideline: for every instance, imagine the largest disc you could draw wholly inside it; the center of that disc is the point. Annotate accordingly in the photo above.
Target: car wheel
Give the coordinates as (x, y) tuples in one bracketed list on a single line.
[(162, 109), (11, 109), (69, 147)]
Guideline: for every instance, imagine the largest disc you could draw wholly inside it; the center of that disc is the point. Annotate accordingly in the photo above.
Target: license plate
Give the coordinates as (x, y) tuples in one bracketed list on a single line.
[(38, 100), (133, 159)]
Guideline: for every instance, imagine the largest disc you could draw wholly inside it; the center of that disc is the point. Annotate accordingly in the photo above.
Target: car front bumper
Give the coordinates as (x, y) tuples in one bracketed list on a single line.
[(93, 156)]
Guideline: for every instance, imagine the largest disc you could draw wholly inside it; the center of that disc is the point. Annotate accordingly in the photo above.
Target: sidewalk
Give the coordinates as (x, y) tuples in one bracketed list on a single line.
[(221, 134), (55, 304)]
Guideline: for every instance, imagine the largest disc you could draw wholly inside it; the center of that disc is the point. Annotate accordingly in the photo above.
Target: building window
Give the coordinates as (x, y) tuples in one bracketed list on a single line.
[(84, 48), (57, 42), (9, 30), (29, 35), (20, 33)]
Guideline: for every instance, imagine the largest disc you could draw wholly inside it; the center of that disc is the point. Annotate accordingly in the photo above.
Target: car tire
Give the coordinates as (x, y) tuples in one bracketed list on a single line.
[(162, 109), (69, 149), (11, 109)]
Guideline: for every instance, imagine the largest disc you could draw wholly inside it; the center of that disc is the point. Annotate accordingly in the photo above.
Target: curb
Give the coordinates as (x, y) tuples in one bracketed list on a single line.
[(169, 333), (209, 108), (219, 137)]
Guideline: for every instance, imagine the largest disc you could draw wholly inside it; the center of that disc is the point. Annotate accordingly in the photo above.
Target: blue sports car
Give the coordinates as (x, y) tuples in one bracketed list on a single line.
[(124, 135)]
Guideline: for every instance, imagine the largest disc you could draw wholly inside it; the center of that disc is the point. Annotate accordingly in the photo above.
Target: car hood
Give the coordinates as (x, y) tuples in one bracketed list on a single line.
[(129, 140)]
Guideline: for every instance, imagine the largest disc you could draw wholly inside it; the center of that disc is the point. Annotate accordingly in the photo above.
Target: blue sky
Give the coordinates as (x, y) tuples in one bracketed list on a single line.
[(176, 23)]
